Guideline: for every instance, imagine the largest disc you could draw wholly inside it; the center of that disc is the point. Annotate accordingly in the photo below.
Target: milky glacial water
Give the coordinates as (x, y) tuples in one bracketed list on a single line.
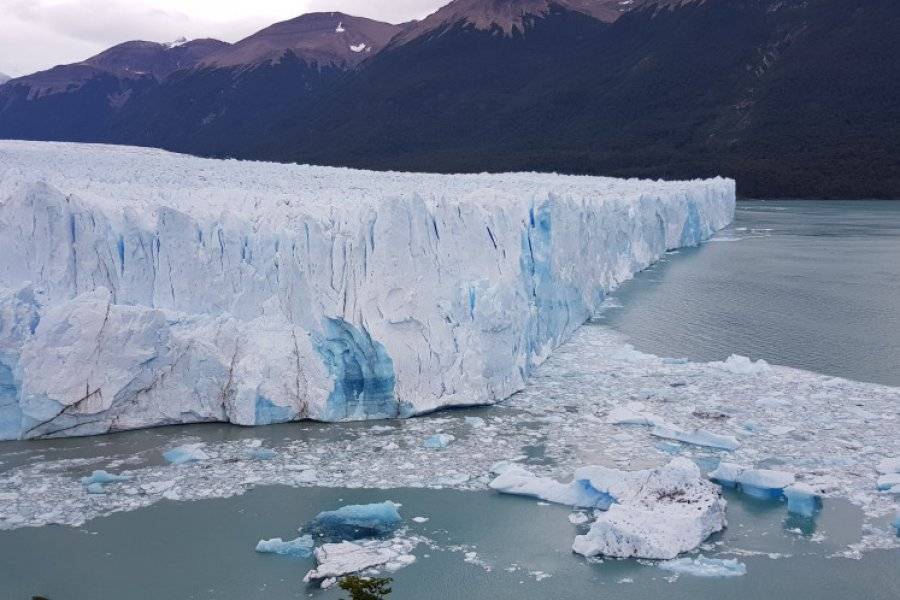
[(804, 284)]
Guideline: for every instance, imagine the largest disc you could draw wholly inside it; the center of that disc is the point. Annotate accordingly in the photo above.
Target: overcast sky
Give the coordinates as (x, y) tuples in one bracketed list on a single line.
[(38, 34)]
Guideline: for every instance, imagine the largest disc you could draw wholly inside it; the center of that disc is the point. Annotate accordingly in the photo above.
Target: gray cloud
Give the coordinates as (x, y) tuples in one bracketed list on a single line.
[(38, 34)]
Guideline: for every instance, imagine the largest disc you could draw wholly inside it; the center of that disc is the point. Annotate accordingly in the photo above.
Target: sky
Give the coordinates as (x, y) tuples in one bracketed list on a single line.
[(38, 34)]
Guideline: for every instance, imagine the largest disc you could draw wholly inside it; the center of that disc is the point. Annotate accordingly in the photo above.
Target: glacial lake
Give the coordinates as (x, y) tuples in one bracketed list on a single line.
[(814, 285)]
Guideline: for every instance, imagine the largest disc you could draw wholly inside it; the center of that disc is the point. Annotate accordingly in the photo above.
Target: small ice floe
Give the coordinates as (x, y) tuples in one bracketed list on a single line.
[(705, 567), (438, 441), (888, 466), (301, 546), (476, 422), (356, 521), (657, 514), (357, 48), (578, 518), (896, 522), (760, 483), (95, 488), (261, 454), (697, 437), (186, 454), (419, 519), (803, 499), (889, 483), (337, 560), (101, 478), (742, 365), (519, 481), (633, 413)]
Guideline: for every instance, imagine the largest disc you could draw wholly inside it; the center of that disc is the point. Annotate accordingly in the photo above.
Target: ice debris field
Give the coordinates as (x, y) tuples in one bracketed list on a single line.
[(142, 288)]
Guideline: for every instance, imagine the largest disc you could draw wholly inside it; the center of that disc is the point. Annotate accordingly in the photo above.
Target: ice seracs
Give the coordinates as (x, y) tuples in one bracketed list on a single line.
[(143, 288)]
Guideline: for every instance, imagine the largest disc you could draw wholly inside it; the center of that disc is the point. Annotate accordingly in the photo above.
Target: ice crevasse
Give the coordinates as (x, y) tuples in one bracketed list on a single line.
[(142, 288)]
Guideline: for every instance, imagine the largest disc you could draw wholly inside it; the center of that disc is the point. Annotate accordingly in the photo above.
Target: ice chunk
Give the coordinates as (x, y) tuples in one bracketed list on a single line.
[(658, 513), (705, 567), (633, 413), (803, 499), (578, 518), (697, 437), (896, 522), (888, 482), (336, 560), (888, 466), (476, 422), (579, 493), (261, 454), (102, 477), (439, 440), (760, 483), (96, 488), (356, 521), (301, 546), (741, 365), (420, 519), (186, 454)]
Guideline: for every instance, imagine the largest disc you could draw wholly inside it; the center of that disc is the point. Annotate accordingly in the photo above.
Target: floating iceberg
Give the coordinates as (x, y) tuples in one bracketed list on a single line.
[(148, 288), (697, 437), (301, 546), (261, 454), (760, 483), (337, 560), (657, 513), (889, 482), (356, 521), (186, 454), (705, 567), (633, 413), (102, 478), (742, 365), (579, 493), (803, 499), (438, 441)]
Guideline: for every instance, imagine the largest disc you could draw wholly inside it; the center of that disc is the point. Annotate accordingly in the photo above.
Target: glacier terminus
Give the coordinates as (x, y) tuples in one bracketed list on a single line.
[(141, 288)]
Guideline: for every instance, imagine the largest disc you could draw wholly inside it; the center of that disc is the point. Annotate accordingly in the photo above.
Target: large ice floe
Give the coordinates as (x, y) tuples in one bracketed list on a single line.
[(652, 513), (142, 288)]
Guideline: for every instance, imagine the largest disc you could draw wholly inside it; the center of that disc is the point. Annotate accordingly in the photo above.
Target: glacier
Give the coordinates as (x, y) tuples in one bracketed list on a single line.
[(141, 288)]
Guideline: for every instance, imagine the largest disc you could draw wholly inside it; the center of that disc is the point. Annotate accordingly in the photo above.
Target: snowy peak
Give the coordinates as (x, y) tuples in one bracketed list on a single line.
[(331, 38), (511, 15)]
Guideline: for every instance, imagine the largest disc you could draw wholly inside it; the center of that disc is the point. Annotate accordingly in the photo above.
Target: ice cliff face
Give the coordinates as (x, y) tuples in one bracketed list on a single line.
[(142, 288)]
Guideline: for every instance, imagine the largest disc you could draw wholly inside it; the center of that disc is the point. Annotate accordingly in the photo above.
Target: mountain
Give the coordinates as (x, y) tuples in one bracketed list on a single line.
[(76, 101), (790, 97), (229, 100), (4, 78)]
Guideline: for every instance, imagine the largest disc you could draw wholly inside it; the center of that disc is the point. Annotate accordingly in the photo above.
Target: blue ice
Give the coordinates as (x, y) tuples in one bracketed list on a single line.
[(439, 440), (301, 546), (185, 454), (102, 477), (356, 521), (803, 500)]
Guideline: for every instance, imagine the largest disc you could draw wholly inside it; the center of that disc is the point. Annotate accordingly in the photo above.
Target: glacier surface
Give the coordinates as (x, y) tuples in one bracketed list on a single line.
[(142, 288)]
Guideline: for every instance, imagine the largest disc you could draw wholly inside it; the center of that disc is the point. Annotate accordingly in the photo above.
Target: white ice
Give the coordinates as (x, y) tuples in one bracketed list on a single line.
[(186, 454), (579, 493), (697, 437), (142, 288), (705, 567), (760, 483)]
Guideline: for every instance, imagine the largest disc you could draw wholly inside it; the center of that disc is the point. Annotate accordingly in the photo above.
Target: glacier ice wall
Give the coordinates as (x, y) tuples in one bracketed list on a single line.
[(142, 288)]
